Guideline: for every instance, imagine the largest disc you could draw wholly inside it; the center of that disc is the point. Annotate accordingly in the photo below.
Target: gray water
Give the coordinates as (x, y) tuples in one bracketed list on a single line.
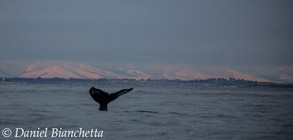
[(151, 111)]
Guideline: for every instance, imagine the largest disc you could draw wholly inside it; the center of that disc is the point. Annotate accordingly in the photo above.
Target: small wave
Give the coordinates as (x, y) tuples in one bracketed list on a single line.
[(146, 111), (143, 111), (175, 113)]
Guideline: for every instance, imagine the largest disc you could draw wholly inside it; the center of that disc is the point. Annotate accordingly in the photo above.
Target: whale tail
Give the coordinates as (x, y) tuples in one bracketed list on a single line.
[(103, 107), (115, 95), (104, 98)]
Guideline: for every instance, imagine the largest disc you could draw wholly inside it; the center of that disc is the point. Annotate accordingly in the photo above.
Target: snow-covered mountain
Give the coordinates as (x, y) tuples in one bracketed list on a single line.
[(50, 69)]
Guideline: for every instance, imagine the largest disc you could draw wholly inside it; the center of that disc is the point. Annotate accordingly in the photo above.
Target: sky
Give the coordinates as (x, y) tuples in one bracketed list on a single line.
[(192, 32)]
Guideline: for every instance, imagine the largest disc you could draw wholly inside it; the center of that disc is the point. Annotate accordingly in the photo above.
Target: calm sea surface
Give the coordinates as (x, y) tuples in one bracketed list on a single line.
[(152, 111)]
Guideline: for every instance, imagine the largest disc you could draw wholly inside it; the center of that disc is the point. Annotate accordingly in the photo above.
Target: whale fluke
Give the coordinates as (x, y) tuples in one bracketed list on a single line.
[(103, 98)]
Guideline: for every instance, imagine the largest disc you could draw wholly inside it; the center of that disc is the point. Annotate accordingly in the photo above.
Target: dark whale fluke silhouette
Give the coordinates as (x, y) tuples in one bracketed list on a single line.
[(103, 98)]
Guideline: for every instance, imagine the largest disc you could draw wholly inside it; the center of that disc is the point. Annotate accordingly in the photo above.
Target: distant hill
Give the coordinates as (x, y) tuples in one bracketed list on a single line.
[(50, 69)]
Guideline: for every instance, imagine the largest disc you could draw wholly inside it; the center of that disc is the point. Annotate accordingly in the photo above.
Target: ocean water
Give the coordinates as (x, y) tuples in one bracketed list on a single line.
[(152, 111)]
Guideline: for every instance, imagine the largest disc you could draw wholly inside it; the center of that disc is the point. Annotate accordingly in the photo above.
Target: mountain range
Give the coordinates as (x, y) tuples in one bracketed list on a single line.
[(51, 69)]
